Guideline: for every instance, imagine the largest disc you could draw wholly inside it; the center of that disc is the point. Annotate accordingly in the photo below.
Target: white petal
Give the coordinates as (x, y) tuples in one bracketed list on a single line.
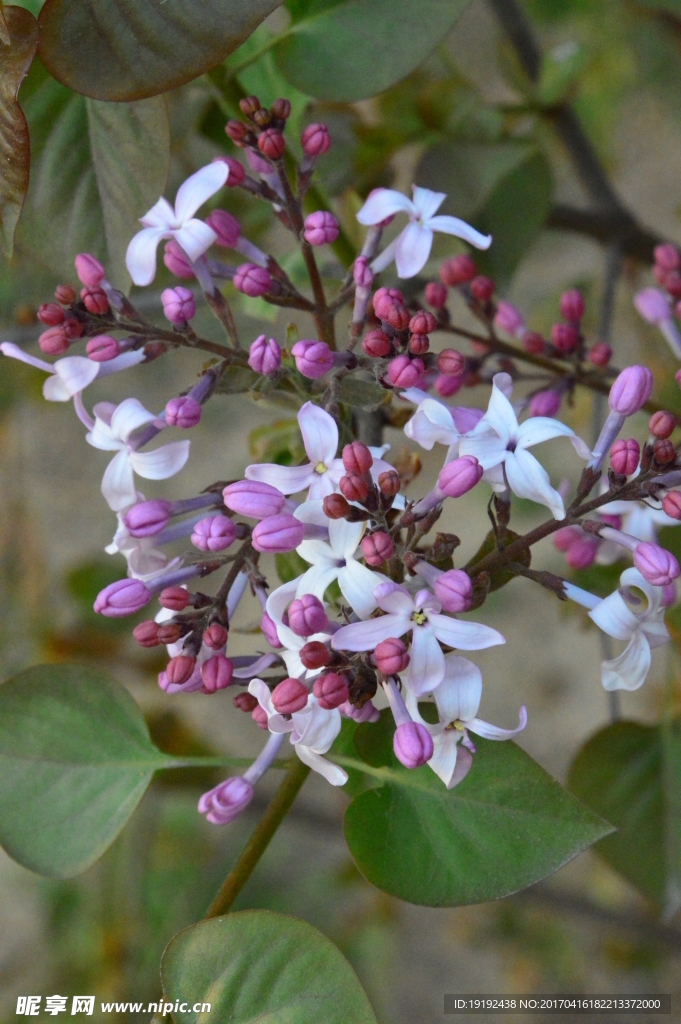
[(454, 226), (312, 512), (317, 579), (140, 258), (416, 396), (488, 449), (75, 373), (629, 670), (8, 348), (494, 732), (316, 727), (386, 256), (541, 428), (161, 463), (101, 437), (161, 215), (427, 203), (413, 250), (500, 417), (287, 479), (121, 362), (458, 695), (195, 237), (261, 691), (198, 188), (364, 636), (321, 485), (118, 486), (614, 616), (344, 537), (357, 584), (55, 390), (467, 636), (448, 761), (395, 599), (528, 479), (129, 416), (427, 662), (382, 203), (432, 422), (331, 772), (320, 434), (279, 600)]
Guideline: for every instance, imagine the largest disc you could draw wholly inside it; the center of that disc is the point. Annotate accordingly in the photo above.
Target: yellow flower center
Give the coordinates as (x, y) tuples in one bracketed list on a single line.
[(419, 618), (320, 468)]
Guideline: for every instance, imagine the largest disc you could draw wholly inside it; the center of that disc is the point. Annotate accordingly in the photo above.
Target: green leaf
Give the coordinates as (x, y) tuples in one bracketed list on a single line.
[(469, 172), (631, 774), (346, 50), (278, 442), (506, 826), (18, 42), (257, 966), (290, 566), (559, 72), (363, 394), (236, 380), (97, 167), (127, 50), (75, 760)]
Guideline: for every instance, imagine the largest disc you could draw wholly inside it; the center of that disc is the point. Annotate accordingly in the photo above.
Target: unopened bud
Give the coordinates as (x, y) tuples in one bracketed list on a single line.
[(124, 597), (225, 226), (389, 483), (315, 655), (447, 386), (253, 498), (582, 553), (321, 228), (73, 328), (178, 304), (147, 518), (281, 109), (450, 362), (174, 598), (217, 673), (413, 744), (436, 294), (357, 458), (214, 533), (454, 590), (482, 288), (170, 632), (90, 271), (315, 140), (50, 314), (146, 634), (657, 566), (667, 257), (180, 669), (458, 270), (102, 348), (237, 172), (306, 615), (533, 343), (631, 390), (422, 323), (252, 280), (391, 656), (600, 354), (335, 506), (624, 456), (545, 403), (248, 105), (183, 412), (664, 452), (572, 306), (54, 342), (95, 301), (245, 702), (289, 696), (66, 294), (259, 716), (176, 261), (419, 344), (271, 143), (313, 358), (269, 631), (264, 355), (404, 372), (376, 344), (225, 802), (278, 534), (215, 636), (662, 424), (671, 505), (237, 131), (331, 690), (353, 487), (459, 476), (377, 548), (565, 337)]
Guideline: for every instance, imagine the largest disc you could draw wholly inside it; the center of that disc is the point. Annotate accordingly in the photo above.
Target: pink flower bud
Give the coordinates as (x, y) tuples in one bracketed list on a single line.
[(362, 273), (454, 590), (183, 412), (214, 533), (662, 424), (66, 294), (545, 403), (174, 598), (422, 322), (447, 386), (306, 616), (482, 288), (572, 306), (392, 312), (321, 228), (357, 458), (54, 342), (533, 343), (90, 271), (269, 631), (278, 534), (252, 280), (564, 538), (672, 283), (226, 802), (376, 344), (353, 487), (582, 553), (259, 716), (225, 226), (315, 655), (600, 354), (253, 498), (436, 294), (388, 294), (216, 636), (413, 744), (315, 139), (73, 328), (667, 257), (460, 476), (95, 301), (657, 566), (102, 348), (653, 306), (51, 314), (264, 356), (377, 548), (146, 634), (419, 344), (624, 456), (404, 372), (671, 505), (147, 517), (391, 656), (313, 358), (124, 597), (289, 696), (458, 270), (335, 506), (565, 337), (177, 261), (331, 690), (450, 362), (178, 304), (509, 319), (271, 143), (180, 669), (631, 390), (217, 673)]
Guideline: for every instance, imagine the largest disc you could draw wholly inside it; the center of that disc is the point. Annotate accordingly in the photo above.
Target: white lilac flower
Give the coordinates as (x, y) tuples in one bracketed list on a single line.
[(639, 624), (111, 432), (421, 616), (71, 375), (411, 248), (458, 698), (292, 644), (321, 475), (500, 444), (162, 221), (312, 731), (437, 423)]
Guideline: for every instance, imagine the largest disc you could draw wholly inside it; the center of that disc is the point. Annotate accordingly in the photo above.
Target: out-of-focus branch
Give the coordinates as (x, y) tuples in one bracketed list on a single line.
[(634, 241)]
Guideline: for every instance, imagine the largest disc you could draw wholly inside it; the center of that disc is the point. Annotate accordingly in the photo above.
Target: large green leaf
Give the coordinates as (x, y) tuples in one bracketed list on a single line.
[(346, 50), (75, 760), (17, 48), (132, 49), (97, 167), (256, 966), (631, 774), (507, 825)]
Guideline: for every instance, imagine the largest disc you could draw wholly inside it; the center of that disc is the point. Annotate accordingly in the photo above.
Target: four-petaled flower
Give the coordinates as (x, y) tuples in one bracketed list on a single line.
[(162, 221), (437, 423), (500, 445), (458, 698), (411, 248), (111, 432), (642, 629), (421, 616), (71, 375)]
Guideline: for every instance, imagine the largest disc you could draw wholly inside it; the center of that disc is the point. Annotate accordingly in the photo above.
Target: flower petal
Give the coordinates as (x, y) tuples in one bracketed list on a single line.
[(386, 256), (140, 258), (195, 237), (279, 600), (450, 762), (129, 416), (489, 449), (458, 695), (466, 636), (395, 599), (614, 616), (161, 215), (72, 375), (493, 732), (528, 479), (317, 579), (118, 485), (413, 250), (199, 187), (162, 462), (364, 636), (629, 670), (454, 226), (500, 416), (427, 203), (427, 662), (331, 772), (316, 727), (357, 584), (541, 428), (432, 422), (344, 537), (8, 348), (382, 203), (311, 512), (320, 434), (287, 479), (121, 362)]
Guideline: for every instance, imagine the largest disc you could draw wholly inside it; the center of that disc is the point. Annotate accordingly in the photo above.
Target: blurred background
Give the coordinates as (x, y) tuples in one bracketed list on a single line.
[(470, 123)]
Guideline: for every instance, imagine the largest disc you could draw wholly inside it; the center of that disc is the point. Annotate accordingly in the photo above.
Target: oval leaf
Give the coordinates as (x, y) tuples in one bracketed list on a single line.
[(258, 966), (631, 773), (15, 151), (129, 50), (75, 760), (507, 825), (353, 49)]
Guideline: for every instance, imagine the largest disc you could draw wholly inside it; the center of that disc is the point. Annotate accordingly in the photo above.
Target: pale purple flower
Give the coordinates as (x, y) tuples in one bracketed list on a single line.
[(71, 375)]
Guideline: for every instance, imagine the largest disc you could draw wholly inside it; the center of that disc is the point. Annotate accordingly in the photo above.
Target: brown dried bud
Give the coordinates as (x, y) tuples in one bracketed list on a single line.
[(169, 632), (335, 506), (262, 117), (664, 452), (73, 328), (245, 702), (315, 654), (237, 131)]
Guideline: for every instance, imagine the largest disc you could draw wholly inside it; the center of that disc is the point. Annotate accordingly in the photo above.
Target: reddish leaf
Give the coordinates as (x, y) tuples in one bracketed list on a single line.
[(15, 150)]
